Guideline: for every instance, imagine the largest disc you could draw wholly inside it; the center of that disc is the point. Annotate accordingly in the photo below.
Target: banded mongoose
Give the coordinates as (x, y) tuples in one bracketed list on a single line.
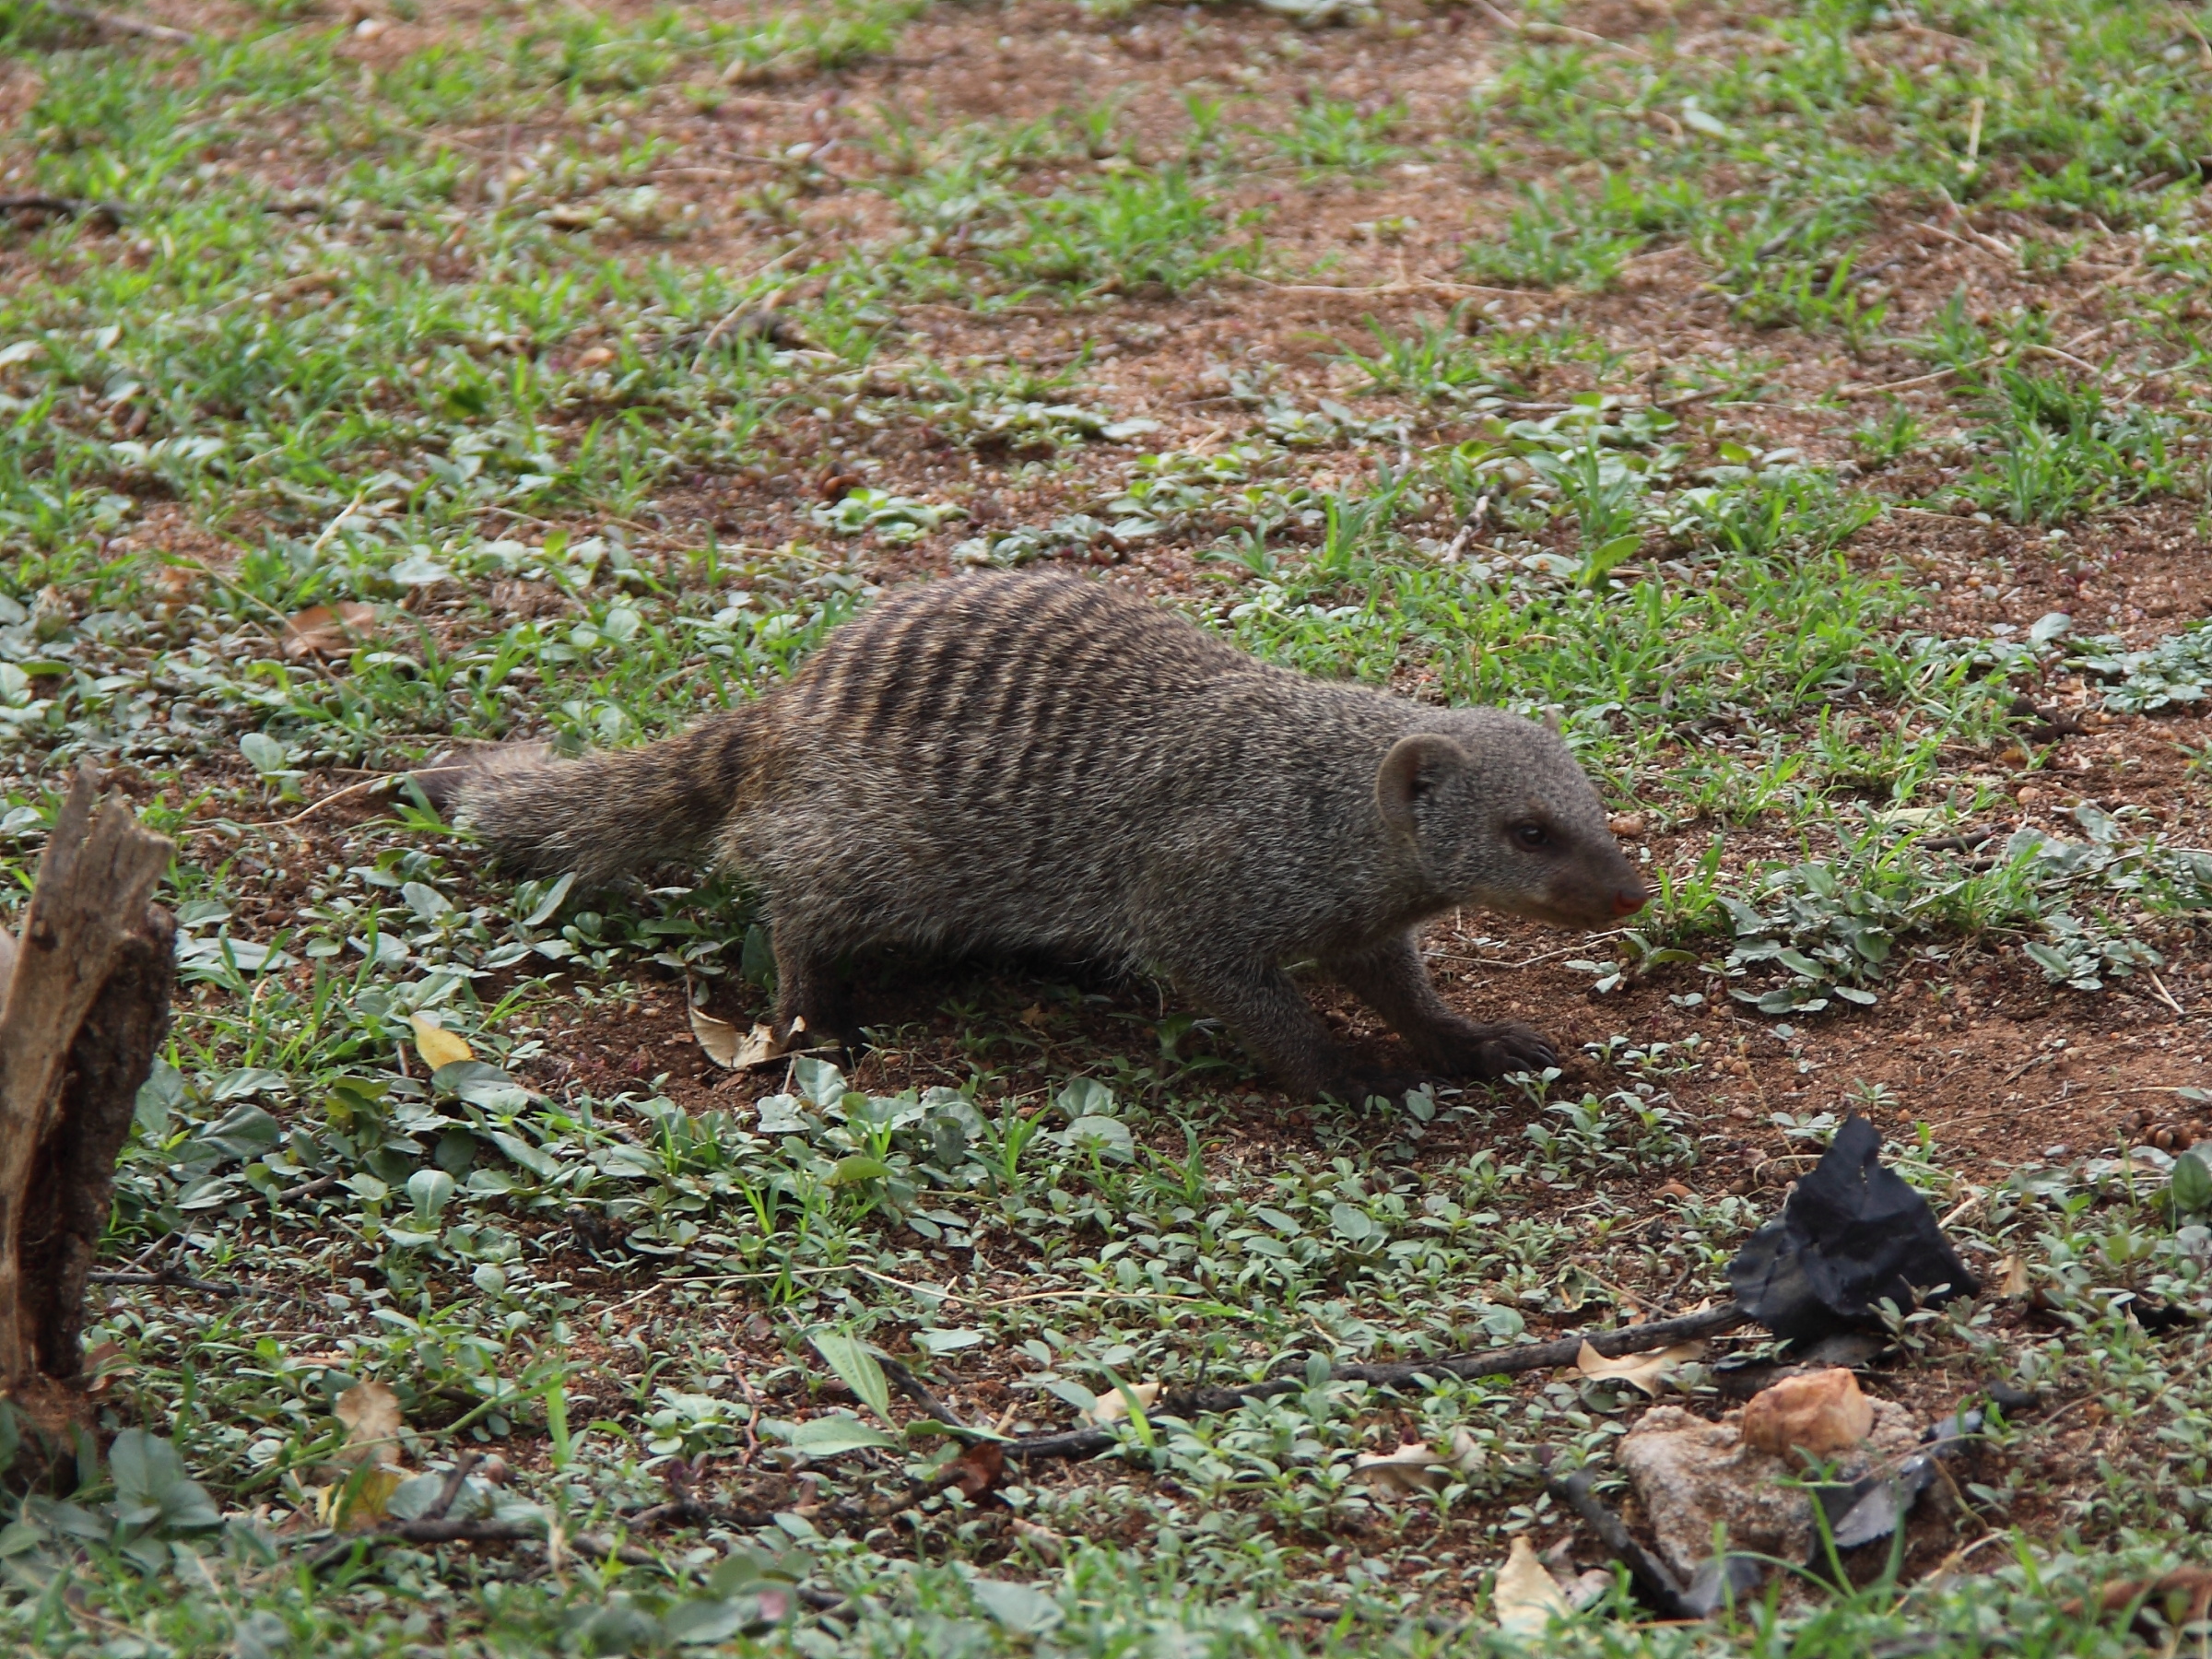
[(1023, 763)]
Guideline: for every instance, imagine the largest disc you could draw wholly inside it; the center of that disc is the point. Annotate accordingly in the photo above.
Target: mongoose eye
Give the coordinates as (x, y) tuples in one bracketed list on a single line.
[(1531, 835)]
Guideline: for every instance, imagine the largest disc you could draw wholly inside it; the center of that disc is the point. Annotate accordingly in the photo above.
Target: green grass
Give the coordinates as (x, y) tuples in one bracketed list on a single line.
[(476, 367)]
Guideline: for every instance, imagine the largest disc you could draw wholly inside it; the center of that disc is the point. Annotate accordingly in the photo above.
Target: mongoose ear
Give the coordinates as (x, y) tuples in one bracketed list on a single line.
[(1413, 766)]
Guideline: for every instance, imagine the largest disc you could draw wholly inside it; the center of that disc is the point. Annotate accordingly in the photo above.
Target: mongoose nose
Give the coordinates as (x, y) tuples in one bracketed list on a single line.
[(1628, 900)]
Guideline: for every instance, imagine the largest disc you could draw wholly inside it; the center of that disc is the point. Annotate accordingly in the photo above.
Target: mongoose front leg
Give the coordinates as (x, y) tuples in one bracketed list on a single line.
[(1272, 1018), (1392, 980)]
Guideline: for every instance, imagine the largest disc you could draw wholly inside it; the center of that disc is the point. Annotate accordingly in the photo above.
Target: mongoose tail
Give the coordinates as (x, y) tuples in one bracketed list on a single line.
[(612, 811)]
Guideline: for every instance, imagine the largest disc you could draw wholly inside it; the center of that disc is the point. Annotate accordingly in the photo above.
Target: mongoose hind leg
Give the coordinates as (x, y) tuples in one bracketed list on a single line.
[(810, 986), (1392, 980), (1274, 1021)]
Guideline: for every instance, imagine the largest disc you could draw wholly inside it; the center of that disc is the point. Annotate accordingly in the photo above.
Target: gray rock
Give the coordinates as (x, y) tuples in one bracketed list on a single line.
[(1691, 1475)]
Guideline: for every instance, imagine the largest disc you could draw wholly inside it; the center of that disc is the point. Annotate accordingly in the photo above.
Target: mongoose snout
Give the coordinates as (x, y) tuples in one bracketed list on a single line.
[(1027, 764)]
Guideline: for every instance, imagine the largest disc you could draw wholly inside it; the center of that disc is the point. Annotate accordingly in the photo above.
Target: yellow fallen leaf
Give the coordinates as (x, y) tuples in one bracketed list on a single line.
[(436, 1045), (372, 1495), (1414, 1468), (1650, 1372), (1528, 1598), (1114, 1404)]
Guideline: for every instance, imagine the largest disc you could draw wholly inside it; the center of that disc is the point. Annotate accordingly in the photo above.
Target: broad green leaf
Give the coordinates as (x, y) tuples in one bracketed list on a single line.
[(855, 1366), (1024, 1610), (2191, 1183), (524, 1154), (835, 1435)]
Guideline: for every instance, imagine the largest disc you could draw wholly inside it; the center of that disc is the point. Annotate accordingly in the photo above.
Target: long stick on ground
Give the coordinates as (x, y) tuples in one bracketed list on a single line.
[(1483, 1362)]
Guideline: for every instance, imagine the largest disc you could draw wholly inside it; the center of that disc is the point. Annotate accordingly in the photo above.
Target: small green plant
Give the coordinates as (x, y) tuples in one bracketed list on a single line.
[(1549, 242), (1127, 231), (1328, 136)]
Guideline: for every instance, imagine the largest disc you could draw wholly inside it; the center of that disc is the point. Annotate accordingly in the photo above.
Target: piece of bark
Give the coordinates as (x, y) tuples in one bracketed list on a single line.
[(86, 1007)]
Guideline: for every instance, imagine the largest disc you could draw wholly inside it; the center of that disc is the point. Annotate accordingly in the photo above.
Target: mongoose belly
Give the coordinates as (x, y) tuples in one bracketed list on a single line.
[(1034, 762)]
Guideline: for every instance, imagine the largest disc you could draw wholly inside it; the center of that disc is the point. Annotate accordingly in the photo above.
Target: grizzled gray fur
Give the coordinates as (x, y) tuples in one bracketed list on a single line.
[(1025, 762)]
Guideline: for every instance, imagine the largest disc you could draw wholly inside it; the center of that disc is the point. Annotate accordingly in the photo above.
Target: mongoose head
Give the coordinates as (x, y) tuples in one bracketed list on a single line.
[(1500, 816)]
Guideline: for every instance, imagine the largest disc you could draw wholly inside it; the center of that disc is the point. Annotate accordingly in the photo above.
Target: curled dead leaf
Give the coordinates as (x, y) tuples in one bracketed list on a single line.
[(1526, 1597), (1414, 1468), (759, 1046), (1819, 1413), (1114, 1404), (1047, 1544), (436, 1045), (1651, 1372), (979, 1470), (370, 1415), (717, 1037), (2012, 1277), (325, 630)]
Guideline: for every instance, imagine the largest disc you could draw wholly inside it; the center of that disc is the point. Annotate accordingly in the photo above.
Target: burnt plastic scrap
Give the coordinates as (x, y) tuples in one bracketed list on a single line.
[(1853, 1234)]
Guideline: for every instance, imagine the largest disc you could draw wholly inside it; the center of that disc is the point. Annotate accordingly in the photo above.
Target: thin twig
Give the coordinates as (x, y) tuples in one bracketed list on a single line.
[(380, 780), (2165, 995), (1543, 30), (913, 1388), (118, 24), (1652, 1581), (1849, 392), (455, 1479), (164, 1276), (63, 206), (306, 1189)]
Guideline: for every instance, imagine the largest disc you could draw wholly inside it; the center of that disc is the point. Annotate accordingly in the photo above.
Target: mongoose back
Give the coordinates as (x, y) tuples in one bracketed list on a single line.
[(1044, 763)]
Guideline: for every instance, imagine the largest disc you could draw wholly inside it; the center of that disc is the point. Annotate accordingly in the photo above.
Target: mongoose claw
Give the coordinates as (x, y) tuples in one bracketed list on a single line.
[(1490, 1052)]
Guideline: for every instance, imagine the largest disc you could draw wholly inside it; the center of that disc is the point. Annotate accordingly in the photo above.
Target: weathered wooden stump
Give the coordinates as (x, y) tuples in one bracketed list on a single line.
[(84, 1006)]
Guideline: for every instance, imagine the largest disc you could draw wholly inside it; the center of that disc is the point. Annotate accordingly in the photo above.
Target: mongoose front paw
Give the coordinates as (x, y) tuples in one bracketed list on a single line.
[(1490, 1052)]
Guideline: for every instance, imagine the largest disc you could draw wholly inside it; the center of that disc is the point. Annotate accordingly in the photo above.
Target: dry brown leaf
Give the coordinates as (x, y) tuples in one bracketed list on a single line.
[(438, 1046), (2012, 1277), (1467, 1455), (1819, 1414), (1651, 1372), (757, 1047), (718, 1037), (319, 630), (1414, 1468), (370, 1412), (1114, 1404), (980, 1470), (1528, 1598)]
